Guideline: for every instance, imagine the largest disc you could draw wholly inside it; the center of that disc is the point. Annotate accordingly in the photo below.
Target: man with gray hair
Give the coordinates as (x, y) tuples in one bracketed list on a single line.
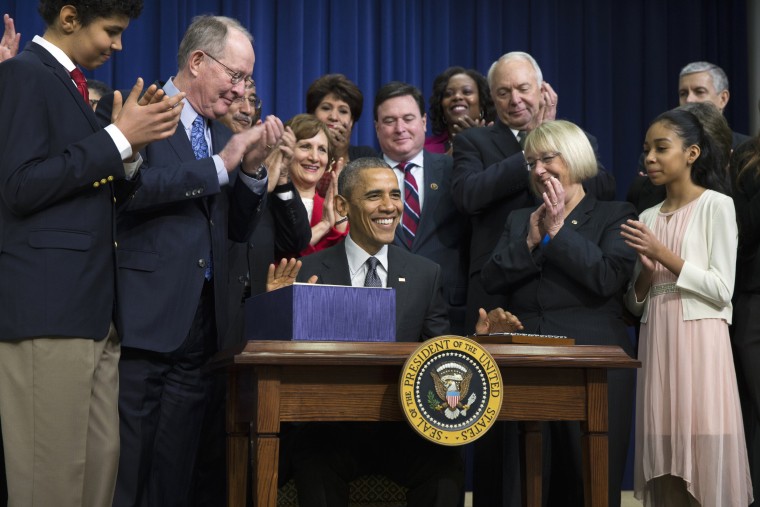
[(489, 180), (199, 188), (705, 82), (697, 82), (490, 176)]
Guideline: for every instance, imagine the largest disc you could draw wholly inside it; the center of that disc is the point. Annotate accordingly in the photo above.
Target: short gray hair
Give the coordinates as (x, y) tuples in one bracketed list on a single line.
[(719, 78), (516, 55), (349, 176), (209, 34), (572, 144)]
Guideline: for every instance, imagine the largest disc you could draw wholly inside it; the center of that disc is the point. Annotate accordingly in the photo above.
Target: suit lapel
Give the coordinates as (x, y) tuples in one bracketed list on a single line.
[(504, 139), (335, 267), (62, 75), (582, 213), (397, 273), (433, 181), (219, 135), (398, 279), (181, 144)]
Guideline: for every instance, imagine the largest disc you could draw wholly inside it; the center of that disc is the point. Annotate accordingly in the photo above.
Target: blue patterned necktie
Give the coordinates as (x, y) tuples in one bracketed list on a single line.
[(200, 148), (198, 138), (372, 279)]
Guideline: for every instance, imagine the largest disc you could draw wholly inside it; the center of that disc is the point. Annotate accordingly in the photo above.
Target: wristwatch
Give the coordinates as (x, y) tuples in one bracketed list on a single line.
[(260, 173)]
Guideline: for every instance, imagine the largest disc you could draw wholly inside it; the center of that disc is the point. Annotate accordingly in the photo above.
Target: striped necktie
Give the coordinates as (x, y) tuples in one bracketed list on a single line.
[(411, 218)]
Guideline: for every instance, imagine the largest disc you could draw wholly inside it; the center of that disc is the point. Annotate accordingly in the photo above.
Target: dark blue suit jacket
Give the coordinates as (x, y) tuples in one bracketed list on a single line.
[(420, 311), (166, 230), (56, 224), (443, 235)]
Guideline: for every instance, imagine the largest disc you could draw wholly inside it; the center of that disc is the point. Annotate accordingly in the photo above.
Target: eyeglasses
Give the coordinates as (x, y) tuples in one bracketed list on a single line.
[(253, 100), (235, 77), (546, 160), (94, 102)]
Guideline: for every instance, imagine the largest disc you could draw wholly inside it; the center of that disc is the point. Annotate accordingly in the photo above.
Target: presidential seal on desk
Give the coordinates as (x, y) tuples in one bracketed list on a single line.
[(451, 390)]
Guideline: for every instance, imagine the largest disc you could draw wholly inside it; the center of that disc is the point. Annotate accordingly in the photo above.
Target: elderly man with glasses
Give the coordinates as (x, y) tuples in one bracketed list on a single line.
[(283, 226), (199, 190)]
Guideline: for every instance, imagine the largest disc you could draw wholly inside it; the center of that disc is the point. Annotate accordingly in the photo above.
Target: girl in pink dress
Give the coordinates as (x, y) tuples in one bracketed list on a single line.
[(690, 447)]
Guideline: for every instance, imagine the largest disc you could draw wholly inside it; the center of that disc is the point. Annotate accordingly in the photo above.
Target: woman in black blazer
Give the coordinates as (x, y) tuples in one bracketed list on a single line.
[(564, 268)]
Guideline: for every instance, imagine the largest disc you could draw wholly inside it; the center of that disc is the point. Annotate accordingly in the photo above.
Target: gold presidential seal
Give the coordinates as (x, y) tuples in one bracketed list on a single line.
[(451, 390)]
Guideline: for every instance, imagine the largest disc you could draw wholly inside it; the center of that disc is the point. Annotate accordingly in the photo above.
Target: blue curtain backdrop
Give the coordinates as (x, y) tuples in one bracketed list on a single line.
[(614, 64)]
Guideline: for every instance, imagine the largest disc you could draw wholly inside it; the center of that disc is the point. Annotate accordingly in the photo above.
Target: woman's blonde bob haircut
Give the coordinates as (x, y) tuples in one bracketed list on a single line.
[(570, 141)]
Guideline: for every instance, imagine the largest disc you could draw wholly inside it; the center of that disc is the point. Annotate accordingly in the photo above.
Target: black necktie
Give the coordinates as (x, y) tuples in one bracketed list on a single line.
[(521, 135)]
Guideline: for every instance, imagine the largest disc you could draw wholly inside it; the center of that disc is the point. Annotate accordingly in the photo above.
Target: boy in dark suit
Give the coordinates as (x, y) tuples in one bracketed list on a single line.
[(58, 348)]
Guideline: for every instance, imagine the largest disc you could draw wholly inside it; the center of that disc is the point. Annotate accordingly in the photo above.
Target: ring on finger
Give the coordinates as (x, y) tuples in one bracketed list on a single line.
[(269, 146)]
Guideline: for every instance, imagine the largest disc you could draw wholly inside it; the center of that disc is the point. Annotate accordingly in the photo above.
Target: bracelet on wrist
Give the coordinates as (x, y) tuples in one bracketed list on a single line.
[(344, 219)]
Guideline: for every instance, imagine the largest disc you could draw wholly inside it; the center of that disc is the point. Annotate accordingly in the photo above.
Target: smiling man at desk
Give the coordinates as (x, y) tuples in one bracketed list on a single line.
[(369, 196)]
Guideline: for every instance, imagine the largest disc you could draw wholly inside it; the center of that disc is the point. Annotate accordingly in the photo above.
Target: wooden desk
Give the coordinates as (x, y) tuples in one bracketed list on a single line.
[(270, 382)]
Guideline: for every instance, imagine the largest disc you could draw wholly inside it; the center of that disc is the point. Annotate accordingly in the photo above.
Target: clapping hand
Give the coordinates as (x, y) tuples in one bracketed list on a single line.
[(548, 106), (10, 41), (147, 118), (260, 140), (639, 237), (278, 161), (554, 206)]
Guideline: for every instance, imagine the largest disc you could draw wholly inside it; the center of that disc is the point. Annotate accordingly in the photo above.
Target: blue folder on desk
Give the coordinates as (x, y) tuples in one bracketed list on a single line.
[(315, 312)]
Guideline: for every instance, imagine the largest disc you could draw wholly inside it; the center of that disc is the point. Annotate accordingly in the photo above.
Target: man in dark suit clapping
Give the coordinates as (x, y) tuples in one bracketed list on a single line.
[(199, 188)]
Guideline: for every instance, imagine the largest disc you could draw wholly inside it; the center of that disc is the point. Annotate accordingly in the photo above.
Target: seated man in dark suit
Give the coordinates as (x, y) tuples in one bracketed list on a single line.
[(327, 456)]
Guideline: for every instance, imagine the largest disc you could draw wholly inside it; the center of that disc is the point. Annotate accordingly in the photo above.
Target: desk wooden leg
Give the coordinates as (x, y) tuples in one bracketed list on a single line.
[(594, 441), (238, 437), (266, 450), (237, 465), (530, 463), (595, 470)]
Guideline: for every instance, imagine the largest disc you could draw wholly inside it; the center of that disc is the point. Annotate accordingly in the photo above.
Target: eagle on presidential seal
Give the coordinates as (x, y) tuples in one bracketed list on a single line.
[(452, 383)]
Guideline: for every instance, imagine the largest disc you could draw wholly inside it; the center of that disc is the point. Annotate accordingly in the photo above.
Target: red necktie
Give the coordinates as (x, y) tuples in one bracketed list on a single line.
[(81, 83), (411, 217)]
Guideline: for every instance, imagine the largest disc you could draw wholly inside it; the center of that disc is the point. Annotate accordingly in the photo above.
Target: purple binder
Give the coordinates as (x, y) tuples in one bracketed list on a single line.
[(322, 313)]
